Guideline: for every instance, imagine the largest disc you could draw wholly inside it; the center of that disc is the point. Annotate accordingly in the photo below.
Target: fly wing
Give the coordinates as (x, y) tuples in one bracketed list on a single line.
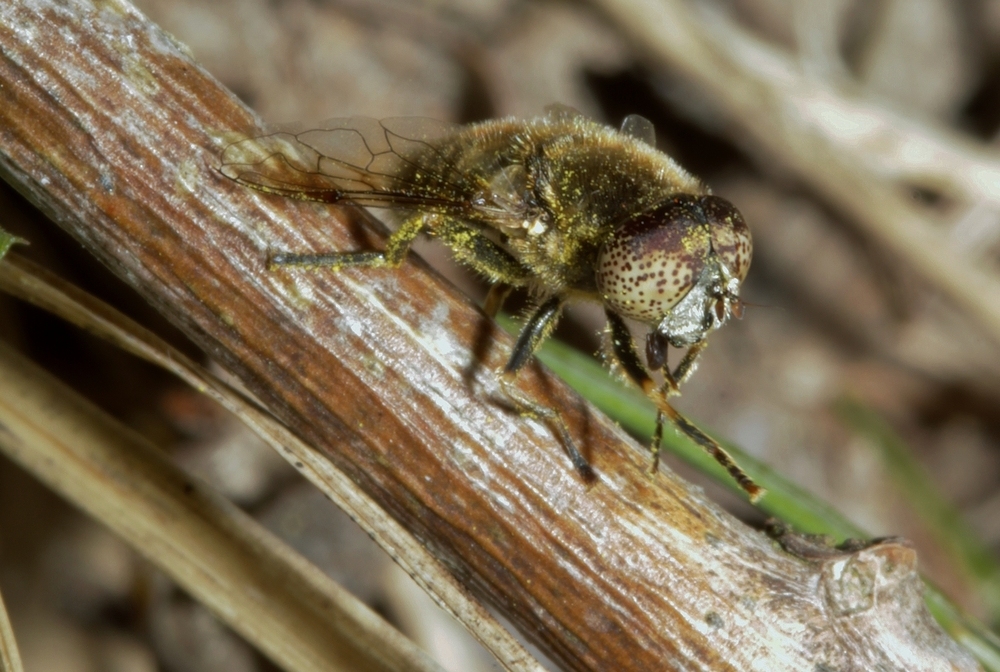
[(382, 163)]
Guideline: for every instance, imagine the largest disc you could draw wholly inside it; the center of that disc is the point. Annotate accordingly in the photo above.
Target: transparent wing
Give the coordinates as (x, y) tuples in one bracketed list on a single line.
[(383, 163)]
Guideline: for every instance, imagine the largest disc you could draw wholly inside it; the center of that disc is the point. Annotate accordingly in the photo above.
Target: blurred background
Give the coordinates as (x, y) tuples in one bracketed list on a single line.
[(854, 373)]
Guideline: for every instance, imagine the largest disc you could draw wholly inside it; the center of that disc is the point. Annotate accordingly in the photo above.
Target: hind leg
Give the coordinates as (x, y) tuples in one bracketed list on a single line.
[(396, 247)]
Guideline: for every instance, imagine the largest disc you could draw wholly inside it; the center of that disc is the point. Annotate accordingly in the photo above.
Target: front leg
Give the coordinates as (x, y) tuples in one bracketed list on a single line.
[(624, 352), (656, 356), (657, 347), (686, 366), (672, 386)]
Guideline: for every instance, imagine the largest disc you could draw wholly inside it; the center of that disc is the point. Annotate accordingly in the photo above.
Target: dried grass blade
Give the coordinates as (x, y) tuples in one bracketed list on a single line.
[(264, 590), (10, 659)]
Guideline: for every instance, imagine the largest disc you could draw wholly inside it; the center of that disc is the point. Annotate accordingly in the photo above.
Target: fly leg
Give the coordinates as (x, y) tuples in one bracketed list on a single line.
[(496, 263), (624, 351), (538, 328), (495, 298), (672, 386), (489, 258), (657, 346), (687, 365), (476, 250), (486, 256), (395, 251)]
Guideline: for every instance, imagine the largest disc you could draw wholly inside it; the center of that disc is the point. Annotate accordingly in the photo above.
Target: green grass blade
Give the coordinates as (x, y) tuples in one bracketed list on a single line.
[(8, 241)]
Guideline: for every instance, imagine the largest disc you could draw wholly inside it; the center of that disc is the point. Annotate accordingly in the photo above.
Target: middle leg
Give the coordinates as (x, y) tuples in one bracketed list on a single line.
[(533, 334), (492, 260)]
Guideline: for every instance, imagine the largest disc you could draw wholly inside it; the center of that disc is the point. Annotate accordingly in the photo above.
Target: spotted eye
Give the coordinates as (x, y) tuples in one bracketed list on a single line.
[(654, 259)]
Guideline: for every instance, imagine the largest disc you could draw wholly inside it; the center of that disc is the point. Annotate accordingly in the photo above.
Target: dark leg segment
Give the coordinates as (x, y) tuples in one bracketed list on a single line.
[(624, 352), (685, 368), (654, 447), (672, 381), (539, 326), (537, 329)]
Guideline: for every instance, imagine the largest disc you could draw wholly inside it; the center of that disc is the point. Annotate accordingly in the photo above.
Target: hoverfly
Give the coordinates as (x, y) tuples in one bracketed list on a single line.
[(562, 205)]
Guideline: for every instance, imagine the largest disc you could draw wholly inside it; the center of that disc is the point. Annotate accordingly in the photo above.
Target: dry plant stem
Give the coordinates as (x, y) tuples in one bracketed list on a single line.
[(31, 283), (265, 591), (10, 659), (779, 110), (115, 133)]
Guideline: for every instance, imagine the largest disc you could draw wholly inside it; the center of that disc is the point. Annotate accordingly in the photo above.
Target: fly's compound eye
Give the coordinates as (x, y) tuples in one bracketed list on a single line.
[(654, 259), (730, 235)]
